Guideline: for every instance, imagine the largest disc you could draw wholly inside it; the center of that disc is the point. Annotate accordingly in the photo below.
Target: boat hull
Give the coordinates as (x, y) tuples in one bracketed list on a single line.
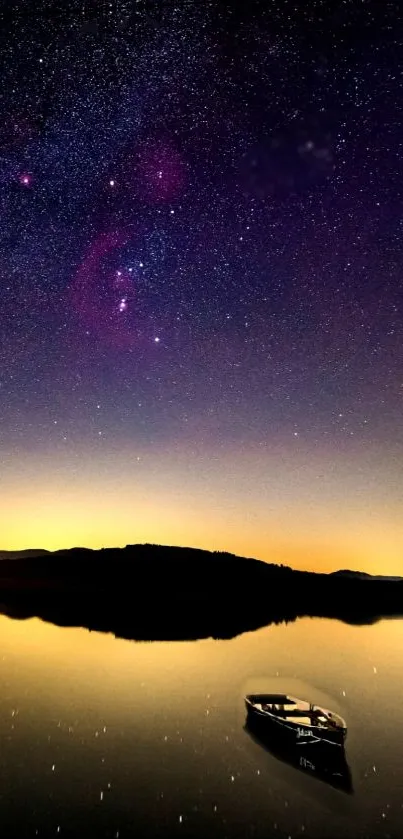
[(319, 760)]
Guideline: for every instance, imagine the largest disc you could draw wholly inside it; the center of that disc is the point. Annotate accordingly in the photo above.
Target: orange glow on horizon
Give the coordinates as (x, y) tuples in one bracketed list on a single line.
[(307, 512)]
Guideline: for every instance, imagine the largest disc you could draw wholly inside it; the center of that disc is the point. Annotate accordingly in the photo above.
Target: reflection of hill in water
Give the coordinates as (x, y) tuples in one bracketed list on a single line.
[(147, 592)]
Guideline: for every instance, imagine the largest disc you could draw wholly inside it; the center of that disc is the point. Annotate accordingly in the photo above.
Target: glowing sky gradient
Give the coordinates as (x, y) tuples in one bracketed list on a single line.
[(201, 261), (307, 509)]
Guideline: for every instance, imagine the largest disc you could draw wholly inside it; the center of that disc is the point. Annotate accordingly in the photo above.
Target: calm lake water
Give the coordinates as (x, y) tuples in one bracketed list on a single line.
[(114, 738)]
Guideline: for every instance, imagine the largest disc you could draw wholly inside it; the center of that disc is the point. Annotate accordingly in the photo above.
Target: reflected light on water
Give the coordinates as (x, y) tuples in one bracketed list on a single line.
[(88, 719)]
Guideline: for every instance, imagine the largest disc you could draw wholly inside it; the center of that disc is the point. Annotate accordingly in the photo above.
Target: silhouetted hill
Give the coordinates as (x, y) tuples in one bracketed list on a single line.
[(21, 554), (149, 592), (363, 575)]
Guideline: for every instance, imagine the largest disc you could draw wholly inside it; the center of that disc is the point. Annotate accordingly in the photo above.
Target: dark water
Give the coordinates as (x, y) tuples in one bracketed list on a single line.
[(109, 738)]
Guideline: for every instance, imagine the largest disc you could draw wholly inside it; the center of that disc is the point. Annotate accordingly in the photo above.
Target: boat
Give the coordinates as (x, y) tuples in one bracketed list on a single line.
[(300, 721), (327, 764)]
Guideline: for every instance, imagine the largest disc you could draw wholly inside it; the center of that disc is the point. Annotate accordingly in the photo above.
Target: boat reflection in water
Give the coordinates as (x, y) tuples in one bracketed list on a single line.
[(319, 759)]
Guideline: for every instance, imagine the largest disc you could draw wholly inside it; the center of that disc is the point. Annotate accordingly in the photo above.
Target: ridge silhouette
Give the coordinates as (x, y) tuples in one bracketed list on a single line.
[(152, 592)]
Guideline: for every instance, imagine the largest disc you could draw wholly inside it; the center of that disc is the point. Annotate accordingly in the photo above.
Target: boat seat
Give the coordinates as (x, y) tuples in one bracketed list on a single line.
[(306, 717), (292, 712)]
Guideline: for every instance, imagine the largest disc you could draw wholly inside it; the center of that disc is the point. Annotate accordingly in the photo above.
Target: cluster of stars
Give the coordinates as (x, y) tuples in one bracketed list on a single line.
[(249, 184)]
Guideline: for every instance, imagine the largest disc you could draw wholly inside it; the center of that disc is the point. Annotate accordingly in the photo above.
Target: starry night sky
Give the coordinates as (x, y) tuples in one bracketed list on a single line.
[(201, 253)]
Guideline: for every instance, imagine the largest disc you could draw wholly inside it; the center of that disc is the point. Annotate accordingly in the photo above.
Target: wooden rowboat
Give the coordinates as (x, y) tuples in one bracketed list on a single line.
[(297, 719)]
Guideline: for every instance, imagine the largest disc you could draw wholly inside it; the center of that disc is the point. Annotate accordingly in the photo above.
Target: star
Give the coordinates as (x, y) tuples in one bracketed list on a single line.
[(25, 179)]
